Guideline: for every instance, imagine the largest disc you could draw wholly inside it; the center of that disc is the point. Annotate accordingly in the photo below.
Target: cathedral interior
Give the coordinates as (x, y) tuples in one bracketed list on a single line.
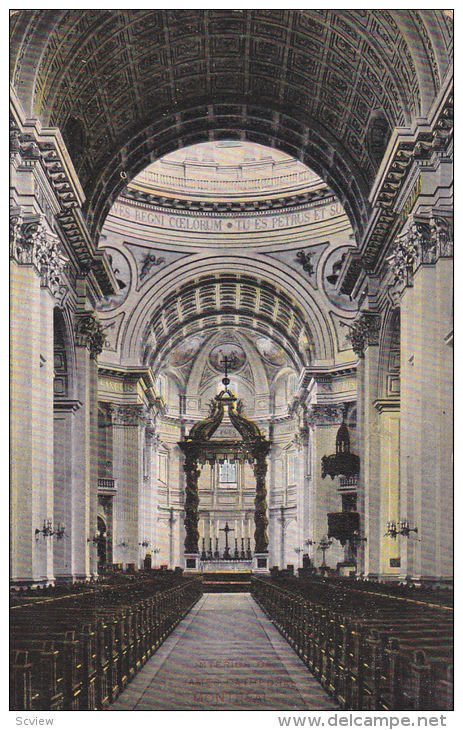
[(231, 267)]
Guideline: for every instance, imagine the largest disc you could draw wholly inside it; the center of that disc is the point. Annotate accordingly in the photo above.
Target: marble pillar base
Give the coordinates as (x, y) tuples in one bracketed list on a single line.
[(260, 563), (191, 562)]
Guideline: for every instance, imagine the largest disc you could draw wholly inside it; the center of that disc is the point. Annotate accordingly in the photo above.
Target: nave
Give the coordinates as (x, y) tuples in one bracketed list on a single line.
[(164, 640), (225, 655), (231, 262)]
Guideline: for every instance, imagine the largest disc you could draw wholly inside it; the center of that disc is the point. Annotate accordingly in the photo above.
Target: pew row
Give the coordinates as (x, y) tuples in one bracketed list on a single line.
[(80, 652), (368, 652)]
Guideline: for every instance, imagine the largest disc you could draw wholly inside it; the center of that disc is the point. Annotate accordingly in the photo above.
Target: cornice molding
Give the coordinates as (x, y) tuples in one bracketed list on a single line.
[(34, 145), (387, 405), (430, 139), (133, 375), (223, 208)]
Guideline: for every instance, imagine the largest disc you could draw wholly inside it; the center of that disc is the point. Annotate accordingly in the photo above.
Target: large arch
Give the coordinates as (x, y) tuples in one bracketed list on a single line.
[(213, 270), (205, 74)]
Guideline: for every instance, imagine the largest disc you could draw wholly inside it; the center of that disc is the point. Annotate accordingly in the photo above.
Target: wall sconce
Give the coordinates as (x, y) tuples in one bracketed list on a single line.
[(124, 544), (156, 550), (60, 532), (402, 527), (48, 531), (145, 543)]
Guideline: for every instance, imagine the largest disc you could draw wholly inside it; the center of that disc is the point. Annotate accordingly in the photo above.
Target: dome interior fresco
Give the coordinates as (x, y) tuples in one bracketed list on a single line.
[(255, 366)]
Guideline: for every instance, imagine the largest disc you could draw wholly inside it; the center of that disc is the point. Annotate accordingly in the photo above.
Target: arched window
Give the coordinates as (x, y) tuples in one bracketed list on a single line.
[(227, 472)]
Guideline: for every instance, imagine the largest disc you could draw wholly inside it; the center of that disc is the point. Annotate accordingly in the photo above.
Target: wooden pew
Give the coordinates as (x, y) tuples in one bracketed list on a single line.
[(80, 650), (345, 641)]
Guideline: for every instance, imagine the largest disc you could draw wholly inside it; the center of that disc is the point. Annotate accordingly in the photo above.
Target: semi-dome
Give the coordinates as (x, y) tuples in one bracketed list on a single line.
[(226, 170)]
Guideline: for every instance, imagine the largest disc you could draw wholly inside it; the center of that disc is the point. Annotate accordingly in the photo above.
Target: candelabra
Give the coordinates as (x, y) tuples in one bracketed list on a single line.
[(402, 527), (324, 545)]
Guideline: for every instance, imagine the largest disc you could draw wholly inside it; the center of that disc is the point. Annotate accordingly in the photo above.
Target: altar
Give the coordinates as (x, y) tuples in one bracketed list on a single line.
[(220, 566)]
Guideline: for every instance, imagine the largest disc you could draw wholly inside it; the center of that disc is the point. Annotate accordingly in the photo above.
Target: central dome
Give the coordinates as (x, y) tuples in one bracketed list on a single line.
[(226, 170)]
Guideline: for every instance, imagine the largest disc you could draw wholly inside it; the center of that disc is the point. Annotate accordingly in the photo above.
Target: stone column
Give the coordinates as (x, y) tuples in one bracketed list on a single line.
[(149, 510), (65, 483), (301, 442), (365, 338), (324, 421), (128, 438), (34, 253), (26, 515), (389, 467), (89, 343), (44, 479), (422, 266), (426, 423)]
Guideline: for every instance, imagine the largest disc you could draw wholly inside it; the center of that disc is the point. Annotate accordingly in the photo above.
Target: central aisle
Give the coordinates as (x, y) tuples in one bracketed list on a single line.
[(225, 655)]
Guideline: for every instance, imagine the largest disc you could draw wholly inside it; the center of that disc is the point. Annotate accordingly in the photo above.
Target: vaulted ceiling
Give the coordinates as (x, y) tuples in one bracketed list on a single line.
[(226, 301), (127, 86)]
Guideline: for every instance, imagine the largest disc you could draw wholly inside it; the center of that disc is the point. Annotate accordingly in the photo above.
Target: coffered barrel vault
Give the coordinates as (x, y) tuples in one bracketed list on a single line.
[(328, 87)]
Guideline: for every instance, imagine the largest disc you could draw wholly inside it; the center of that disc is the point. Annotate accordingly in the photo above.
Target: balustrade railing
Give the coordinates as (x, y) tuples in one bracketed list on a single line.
[(348, 482), (252, 184), (106, 484)]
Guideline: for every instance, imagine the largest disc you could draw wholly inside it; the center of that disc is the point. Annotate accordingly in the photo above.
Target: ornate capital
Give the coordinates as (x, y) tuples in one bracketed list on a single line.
[(31, 243), (300, 439), (403, 259), (442, 234), (324, 415), (364, 332), (89, 333), (16, 222), (130, 415), (424, 242)]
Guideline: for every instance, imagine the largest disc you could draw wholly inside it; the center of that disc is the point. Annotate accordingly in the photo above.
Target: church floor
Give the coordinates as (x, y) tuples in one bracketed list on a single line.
[(225, 655)]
